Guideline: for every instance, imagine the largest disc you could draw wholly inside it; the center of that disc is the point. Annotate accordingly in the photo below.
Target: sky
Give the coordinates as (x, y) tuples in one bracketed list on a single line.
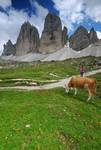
[(73, 13)]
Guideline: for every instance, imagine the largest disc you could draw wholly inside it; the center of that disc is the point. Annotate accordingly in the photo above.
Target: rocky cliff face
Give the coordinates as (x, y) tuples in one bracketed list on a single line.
[(28, 40), (9, 49), (64, 36), (93, 36), (51, 39), (80, 39)]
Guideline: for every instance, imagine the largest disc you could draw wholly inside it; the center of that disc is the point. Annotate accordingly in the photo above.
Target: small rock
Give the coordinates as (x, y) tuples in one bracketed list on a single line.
[(27, 125)]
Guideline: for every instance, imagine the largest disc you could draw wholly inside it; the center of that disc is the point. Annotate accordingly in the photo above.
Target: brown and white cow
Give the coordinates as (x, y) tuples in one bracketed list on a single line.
[(82, 82)]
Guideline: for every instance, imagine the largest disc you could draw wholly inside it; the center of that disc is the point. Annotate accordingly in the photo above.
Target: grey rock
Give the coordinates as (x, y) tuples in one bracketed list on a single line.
[(9, 49), (93, 36), (51, 39), (80, 39), (28, 40), (64, 36)]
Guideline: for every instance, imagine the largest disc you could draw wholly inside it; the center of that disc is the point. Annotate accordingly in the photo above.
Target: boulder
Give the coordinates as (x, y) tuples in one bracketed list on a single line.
[(9, 49), (51, 39), (28, 40), (80, 39)]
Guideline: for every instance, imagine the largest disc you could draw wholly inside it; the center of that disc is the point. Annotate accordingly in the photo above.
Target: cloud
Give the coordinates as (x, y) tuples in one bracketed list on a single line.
[(39, 18), (5, 3), (76, 11), (70, 12), (10, 24), (98, 34), (93, 9)]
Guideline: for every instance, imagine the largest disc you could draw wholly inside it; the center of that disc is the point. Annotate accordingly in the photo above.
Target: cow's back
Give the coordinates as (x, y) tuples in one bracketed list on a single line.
[(81, 82)]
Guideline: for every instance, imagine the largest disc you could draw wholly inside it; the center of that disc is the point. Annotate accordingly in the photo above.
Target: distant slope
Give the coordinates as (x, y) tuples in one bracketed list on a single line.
[(64, 53)]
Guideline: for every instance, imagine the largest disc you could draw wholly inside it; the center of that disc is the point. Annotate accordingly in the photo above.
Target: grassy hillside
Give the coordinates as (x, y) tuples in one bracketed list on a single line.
[(41, 71), (50, 120)]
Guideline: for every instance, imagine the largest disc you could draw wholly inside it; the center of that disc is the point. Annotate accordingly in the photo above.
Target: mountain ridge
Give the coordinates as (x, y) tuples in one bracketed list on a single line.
[(53, 38)]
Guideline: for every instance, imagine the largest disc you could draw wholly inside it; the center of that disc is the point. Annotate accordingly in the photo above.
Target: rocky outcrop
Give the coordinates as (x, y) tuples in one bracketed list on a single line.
[(93, 36), (9, 49), (64, 36), (80, 39), (28, 40), (51, 39)]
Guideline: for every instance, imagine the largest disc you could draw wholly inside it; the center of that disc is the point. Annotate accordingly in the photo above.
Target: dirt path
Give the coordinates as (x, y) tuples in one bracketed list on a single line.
[(60, 83)]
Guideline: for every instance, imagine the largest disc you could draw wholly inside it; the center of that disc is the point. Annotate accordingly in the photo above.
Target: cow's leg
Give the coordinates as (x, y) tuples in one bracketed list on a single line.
[(90, 95), (67, 90), (75, 91)]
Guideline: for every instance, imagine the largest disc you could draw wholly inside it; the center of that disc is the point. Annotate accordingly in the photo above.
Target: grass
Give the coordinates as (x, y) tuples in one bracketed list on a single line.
[(41, 71), (38, 71), (48, 119), (57, 121)]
